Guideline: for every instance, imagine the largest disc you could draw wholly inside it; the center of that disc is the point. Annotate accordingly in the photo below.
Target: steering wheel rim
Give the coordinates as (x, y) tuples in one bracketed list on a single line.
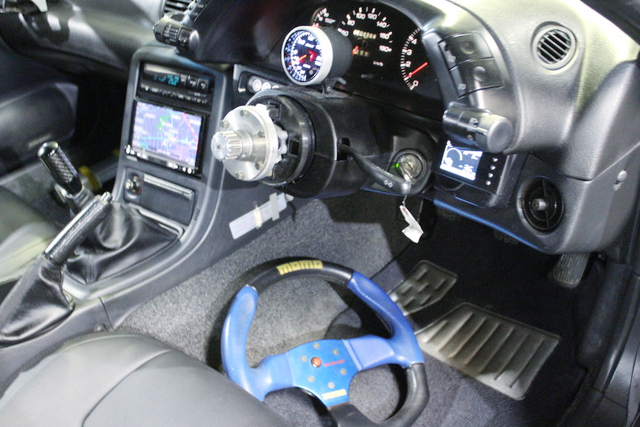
[(325, 368)]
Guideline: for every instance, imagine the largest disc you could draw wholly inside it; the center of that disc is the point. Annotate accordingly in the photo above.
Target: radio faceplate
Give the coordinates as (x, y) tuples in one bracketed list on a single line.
[(180, 88)]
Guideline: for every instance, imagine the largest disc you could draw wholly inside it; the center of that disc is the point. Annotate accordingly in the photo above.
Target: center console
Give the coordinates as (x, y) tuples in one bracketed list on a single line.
[(167, 173), (168, 126)]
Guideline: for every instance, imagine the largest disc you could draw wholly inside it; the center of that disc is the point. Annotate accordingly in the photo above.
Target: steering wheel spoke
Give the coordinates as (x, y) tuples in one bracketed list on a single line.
[(371, 351)]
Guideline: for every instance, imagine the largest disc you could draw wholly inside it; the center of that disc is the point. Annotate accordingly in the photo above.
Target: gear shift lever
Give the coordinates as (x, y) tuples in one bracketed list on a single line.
[(65, 175), (109, 248)]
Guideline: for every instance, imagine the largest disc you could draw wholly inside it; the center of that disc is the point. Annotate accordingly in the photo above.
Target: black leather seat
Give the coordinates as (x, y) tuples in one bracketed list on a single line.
[(24, 234), (120, 379)]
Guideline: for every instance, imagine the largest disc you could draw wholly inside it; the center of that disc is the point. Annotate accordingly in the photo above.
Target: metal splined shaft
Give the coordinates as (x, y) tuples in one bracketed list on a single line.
[(60, 167)]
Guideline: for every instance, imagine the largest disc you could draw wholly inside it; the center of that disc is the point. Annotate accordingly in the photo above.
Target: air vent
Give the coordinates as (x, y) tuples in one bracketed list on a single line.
[(554, 46), (542, 205), (175, 6)]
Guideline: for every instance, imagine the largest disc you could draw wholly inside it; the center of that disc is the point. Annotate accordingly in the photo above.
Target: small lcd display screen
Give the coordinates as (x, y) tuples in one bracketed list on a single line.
[(166, 135), (462, 162)]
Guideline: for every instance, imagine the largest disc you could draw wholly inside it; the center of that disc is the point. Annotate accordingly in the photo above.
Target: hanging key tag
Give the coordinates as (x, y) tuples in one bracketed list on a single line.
[(413, 231)]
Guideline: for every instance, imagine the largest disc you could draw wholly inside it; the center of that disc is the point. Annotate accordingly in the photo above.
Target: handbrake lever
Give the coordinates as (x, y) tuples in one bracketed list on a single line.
[(37, 302)]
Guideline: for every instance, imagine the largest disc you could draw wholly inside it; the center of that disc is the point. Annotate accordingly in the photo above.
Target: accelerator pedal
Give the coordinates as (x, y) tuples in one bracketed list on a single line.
[(427, 284), (569, 269), (501, 353)]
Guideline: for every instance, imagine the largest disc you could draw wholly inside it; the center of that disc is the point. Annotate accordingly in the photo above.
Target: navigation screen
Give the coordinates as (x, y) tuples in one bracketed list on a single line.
[(461, 161), (163, 132)]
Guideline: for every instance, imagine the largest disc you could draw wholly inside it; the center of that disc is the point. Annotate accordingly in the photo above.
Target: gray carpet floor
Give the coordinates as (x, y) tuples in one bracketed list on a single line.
[(361, 232)]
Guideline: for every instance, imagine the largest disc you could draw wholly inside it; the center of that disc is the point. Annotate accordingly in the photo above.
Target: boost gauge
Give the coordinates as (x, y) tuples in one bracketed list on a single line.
[(312, 54)]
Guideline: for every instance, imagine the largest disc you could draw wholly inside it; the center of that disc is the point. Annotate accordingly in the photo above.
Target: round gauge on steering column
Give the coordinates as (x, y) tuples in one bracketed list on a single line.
[(312, 54)]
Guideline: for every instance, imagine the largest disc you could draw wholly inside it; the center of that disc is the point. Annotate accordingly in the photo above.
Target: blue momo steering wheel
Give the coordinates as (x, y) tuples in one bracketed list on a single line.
[(325, 368)]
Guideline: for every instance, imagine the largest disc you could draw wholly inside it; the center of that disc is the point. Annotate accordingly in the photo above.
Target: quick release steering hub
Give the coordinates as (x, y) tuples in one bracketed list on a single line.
[(325, 368), (249, 143), (270, 140)]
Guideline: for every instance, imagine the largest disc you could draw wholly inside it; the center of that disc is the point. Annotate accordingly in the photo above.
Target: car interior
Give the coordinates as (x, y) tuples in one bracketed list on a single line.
[(319, 213)]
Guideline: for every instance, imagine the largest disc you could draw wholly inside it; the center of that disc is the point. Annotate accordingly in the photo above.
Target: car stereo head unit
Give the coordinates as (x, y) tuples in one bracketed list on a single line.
[(166, 136), (170, 115)]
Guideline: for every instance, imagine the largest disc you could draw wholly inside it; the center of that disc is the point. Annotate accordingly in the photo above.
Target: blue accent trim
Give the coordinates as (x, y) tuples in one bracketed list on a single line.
[(272, 373), (341, 359), (403, 342)]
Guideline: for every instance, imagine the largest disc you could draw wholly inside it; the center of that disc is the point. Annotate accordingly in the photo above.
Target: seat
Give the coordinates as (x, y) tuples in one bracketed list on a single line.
[(124, 379), (24, 234)]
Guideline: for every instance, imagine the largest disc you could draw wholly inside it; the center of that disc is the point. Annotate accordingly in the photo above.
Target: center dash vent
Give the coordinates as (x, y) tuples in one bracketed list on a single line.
[(554, 46), (175, 6)]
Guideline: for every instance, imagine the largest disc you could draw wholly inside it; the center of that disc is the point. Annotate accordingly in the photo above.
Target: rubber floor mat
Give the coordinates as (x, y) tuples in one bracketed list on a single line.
[(427, 284), (501, 353)]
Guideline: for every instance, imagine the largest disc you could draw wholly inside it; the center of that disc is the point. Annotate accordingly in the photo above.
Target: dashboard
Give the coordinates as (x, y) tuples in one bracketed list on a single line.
[(519, 115), (387, 50)]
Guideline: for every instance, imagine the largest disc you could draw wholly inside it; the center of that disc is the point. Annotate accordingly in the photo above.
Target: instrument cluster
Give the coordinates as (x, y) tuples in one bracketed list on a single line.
[(386, 46)]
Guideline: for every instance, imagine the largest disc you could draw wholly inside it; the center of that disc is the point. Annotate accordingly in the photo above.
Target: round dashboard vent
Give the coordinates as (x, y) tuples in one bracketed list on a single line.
[(542, 205), (554, 46)]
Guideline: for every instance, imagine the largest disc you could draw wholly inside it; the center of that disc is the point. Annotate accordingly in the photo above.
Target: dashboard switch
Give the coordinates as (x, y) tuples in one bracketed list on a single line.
[(464, 47), (475, 75), (133, 184)]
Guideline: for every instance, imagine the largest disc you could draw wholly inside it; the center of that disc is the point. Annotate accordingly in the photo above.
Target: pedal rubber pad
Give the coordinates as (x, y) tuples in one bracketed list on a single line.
[(501, 353), (427, 284)]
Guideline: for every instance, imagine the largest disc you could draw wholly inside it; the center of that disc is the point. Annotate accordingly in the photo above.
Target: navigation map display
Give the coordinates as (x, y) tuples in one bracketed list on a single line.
[(462, 162), (166, 135)]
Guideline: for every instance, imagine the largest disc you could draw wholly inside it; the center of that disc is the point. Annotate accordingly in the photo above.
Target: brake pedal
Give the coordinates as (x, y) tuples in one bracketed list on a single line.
[(427, 284)]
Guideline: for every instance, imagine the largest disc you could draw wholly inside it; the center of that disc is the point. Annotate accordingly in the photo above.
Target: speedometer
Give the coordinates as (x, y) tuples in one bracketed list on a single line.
[(372, 37)]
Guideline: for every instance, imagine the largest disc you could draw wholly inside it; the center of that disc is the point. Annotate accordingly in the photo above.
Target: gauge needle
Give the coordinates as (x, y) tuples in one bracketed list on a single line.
[(417, 70), (299, 59), (355, 50)]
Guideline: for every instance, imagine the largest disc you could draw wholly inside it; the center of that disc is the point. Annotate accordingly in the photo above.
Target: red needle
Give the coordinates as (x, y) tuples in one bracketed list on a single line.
[(417, 70), (355, 50)]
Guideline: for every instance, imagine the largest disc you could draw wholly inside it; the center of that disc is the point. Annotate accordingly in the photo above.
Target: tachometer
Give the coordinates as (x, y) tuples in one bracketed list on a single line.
[(414, 63), (372, 37)]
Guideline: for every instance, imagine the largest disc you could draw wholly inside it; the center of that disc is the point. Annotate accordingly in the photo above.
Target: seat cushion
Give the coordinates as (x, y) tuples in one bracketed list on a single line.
[(119, 379), (24, 233)]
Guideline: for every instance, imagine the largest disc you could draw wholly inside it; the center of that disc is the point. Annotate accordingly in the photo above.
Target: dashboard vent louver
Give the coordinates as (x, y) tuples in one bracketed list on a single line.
[(175, 6), (542, 205), (554, 46)]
